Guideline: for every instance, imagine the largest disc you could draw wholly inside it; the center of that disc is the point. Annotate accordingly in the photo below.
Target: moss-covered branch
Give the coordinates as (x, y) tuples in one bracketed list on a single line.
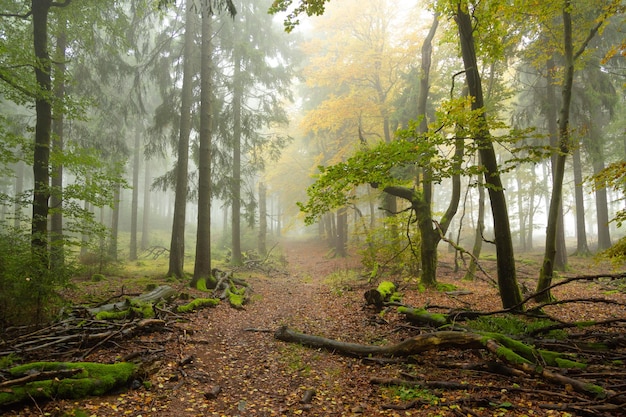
[(48, 380)]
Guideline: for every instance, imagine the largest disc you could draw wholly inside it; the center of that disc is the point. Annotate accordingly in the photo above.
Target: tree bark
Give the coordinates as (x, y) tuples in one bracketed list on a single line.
[(560, 260), (202, 268), (43, 124), (236, 257), (507, 281), (262, 242), (547, 270), (177, 242), (582, 249), (135, 196), (145, 223), (57, 249)]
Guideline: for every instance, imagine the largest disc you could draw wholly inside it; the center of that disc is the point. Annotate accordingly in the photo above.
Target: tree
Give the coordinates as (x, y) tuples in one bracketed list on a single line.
[(570, 56), (177, 243), (202, 267), (507, 282)]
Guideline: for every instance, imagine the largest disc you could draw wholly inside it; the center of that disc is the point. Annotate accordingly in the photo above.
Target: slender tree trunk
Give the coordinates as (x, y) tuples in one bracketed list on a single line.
[(115, 223), (262, 244), (43, 123), (341, 237), (547, 270), (478, 235), (134, 207), (594, 147), (507, 281), (236, 180), (531, 211), (202, 269), (560, 259), (582, 249), (177, 243), (57, 257), (18, 190), (145, 223), (520, 210)]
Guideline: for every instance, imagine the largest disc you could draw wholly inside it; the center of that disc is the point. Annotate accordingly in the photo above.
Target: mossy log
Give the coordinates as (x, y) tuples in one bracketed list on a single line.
[(197, 304), (385, 291), (421, 316), (53, 380), (516, 354), (139, 303)]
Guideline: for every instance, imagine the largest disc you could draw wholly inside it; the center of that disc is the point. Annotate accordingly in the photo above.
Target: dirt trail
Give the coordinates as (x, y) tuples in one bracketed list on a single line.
[(259, 375)]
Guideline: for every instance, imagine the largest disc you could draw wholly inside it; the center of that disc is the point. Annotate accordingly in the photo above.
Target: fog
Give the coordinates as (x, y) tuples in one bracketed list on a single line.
[(278, 105)]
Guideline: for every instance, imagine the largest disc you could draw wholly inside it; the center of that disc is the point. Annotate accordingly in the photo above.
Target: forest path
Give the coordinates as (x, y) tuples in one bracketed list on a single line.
[(261, 376), (258, 375)]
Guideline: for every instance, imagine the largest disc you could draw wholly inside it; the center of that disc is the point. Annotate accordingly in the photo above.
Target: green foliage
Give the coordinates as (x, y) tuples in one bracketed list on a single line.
[(97, 277), (28, 294), (410, 393), (342, 280), (384, 252), (308, 7), (380, 166)]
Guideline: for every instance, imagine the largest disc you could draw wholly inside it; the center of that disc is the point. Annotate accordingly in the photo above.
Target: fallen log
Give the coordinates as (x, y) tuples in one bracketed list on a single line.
[(516, 354), (162, 292), (53, 380)]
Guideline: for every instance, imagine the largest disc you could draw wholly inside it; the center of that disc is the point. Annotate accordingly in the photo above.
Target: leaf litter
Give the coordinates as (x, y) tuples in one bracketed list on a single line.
[(225, 362)]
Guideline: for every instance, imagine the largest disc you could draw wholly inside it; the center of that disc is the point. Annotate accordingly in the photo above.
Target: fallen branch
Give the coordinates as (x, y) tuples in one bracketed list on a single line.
[(518, 355)]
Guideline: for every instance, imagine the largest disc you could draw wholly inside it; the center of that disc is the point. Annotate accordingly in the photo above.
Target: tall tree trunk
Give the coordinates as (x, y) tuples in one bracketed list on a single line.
[(560, 259), (507, 281), (262, 243), (582, 249), (145, 221), (594, 146), (429, 236), (520, 210), (18, 190), (115, 223), (531, 211), (236, 180), (341, 237), (57, 257), (43, 123), (202, 268), (547, 270), (177, 243), (478, 234), (134, 207)]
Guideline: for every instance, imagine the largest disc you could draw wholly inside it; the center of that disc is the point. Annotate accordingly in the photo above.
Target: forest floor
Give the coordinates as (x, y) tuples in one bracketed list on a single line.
[(234, 351)]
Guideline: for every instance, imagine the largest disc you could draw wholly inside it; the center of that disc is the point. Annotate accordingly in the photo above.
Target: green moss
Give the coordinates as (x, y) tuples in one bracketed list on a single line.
[(136, 309), (386, 289), (97, 277), (197, 304), (112, 315), (235, 299), (205, 285), (94, 379), (566, 363), (440, 286), (596, 389)]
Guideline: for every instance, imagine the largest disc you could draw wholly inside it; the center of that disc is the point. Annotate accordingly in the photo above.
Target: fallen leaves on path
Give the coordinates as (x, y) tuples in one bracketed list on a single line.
[(235, 367)]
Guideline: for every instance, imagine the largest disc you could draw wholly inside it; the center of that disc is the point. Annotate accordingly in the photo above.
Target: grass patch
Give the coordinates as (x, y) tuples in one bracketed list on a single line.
[(407, 393), (342, 281)]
